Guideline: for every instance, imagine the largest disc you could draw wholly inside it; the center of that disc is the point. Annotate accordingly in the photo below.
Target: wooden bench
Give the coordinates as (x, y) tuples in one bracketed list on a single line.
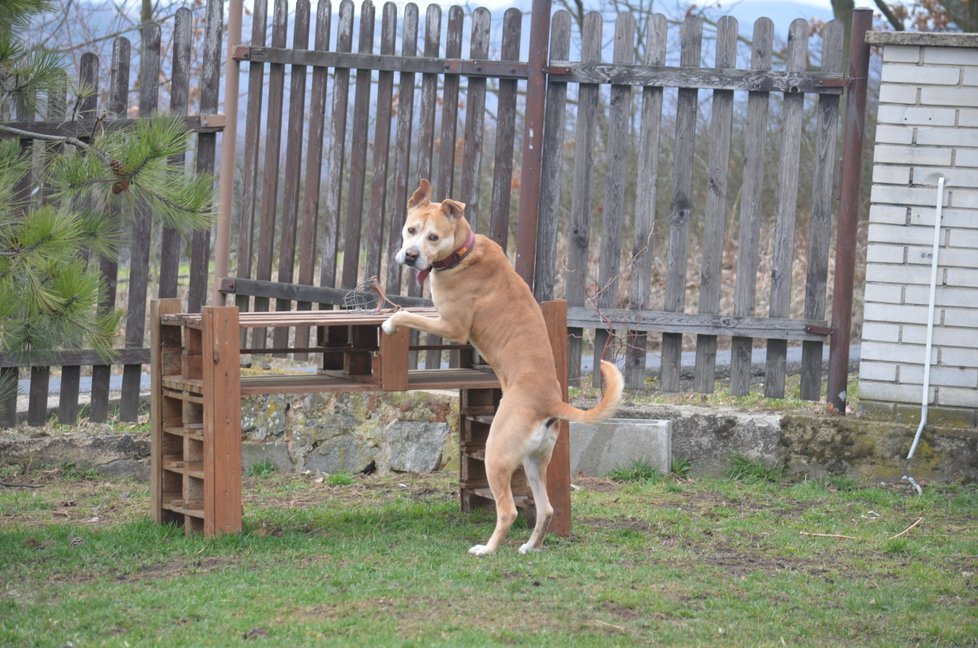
[(197, 388)]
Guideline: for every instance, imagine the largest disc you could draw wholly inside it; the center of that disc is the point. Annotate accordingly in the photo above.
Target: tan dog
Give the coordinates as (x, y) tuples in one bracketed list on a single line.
[(481, 300)]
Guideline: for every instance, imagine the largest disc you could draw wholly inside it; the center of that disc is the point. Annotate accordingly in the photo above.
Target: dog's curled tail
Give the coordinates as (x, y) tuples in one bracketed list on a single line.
[(614, 385)]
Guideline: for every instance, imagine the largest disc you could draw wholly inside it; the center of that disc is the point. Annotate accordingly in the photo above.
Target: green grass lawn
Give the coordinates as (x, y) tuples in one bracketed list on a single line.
[(378, 561)]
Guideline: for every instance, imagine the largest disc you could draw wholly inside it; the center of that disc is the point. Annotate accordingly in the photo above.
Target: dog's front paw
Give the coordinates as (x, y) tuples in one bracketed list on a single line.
[(480, 550), (389, 326)]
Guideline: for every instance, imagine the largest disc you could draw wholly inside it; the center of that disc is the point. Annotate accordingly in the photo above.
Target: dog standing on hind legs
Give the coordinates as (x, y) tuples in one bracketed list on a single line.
[(482, 301)]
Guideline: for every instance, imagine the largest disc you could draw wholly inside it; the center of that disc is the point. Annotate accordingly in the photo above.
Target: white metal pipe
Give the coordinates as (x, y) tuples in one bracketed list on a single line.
[(925, 392)]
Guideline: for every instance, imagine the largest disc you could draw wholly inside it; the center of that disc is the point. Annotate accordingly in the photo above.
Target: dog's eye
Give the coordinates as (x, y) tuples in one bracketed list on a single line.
[(412, 231), (433, 237)]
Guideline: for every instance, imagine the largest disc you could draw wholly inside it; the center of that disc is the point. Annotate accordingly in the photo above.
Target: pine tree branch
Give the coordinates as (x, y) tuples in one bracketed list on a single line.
[(64, 139)]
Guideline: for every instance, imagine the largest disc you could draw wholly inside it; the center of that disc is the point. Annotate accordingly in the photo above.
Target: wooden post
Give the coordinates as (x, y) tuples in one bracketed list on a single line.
[(558, 472), (222, 420)]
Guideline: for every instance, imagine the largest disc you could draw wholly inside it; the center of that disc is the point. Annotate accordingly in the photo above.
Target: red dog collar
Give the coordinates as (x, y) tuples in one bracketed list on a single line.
[(450, 261)]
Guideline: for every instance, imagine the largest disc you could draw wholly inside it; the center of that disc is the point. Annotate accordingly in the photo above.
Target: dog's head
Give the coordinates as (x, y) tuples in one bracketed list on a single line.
[(432, 231)]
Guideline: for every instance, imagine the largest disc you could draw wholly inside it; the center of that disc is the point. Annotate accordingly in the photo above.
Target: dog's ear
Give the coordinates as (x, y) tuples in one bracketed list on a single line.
[(421, 195), (453, 208)]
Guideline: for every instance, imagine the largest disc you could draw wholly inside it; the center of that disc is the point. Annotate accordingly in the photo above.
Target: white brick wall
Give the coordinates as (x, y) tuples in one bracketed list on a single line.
[(928, 127)]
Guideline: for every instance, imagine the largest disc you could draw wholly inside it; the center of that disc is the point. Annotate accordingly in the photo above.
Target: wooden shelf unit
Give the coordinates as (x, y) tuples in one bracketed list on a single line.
[(196, 403)]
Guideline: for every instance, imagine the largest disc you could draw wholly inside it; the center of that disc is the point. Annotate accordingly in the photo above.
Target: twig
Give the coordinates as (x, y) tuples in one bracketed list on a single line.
[(9, 485), (916, 522), (827, 535)]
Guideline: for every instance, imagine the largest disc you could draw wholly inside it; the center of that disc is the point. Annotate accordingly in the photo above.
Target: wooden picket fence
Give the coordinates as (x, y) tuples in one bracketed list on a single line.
[(341, 122)]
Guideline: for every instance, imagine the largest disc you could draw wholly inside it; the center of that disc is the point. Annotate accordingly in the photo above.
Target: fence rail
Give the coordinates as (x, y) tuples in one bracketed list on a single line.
[(659, 176)]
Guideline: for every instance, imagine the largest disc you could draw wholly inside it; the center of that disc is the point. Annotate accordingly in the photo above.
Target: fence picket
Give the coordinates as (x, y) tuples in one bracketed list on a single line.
[(402, 148), (376, 215), (552, 164), (314, 167), (475, 118), (337, 149), (721, 112), (170, 239), (358, 154), (450, 105), (645, 198), (787, 209), (580, 216), (270, 175), (681, 209), (750, 208), (820, 221), (613, 213), (289, 214), (249, 175), (502, 168), (210, 92), (142, 228)]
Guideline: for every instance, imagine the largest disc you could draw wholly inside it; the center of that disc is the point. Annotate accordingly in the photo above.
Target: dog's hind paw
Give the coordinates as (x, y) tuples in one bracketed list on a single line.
[(527, 548), (480, 550)]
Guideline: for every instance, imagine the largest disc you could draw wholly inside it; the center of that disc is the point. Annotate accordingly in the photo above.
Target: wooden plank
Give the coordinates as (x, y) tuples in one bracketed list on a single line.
[(98, 407), (790, 82), (314, 165), (475, 118), (171, 241), (376, 213), (820, 221), (580, 214), (714, 225), (210, 92), (558, 471), (645, 202), (787, 210), (288, 220), (317, 294), (158, 339), (450, 105), (681, 207), (751, 206), (483, 68), (142, 229), (502, 169), (552, 165), (358, 156), (337, 149), (252, 138), (619, 135), (72, 358), (698, 323), (398, 197), (270, 171), (222, 421)]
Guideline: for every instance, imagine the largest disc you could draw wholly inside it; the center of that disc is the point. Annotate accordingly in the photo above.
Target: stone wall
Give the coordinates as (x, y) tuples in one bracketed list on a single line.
[(927, 129)]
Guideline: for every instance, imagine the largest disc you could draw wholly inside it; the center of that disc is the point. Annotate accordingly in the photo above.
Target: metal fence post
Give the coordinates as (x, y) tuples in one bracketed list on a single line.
[(845, 258)]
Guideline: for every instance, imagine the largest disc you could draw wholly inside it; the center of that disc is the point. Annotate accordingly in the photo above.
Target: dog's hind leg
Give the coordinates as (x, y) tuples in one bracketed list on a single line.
[(503, 455), (502, 492), (535, 465)]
